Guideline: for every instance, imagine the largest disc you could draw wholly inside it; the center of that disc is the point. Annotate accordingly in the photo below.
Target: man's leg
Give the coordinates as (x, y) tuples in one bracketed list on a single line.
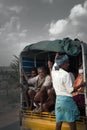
[(40, 98), (72, 125), (50, 101), (31, 93), (58, 125), (26, 98)]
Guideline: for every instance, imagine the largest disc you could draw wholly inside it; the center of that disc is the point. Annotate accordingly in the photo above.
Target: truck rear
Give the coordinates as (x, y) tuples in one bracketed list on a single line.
[(36, 55)]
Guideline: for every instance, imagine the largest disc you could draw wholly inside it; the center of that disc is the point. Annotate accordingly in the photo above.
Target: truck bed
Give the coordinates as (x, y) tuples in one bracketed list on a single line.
[(45, 121)]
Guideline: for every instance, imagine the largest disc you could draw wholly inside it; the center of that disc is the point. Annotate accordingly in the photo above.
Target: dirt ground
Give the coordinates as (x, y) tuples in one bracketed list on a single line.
[(9, 116)]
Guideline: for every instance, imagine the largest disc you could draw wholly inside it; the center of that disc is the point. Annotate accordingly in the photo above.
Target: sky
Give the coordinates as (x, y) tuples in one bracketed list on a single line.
[(23, 22)]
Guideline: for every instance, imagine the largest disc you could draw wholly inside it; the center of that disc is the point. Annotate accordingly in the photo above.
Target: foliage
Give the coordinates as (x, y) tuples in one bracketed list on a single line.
[(15, 67), (9, 92)]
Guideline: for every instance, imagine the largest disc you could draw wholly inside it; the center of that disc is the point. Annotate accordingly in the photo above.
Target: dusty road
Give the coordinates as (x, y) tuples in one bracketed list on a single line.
[(12, 126), (8, 119)]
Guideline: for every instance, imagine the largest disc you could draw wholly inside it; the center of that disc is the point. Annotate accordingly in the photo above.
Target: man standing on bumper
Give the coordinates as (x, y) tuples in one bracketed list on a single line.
[(65, 107)]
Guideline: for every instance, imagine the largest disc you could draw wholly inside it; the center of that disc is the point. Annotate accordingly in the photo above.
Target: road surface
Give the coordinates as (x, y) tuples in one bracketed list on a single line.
[(12, 126), (9, 120)]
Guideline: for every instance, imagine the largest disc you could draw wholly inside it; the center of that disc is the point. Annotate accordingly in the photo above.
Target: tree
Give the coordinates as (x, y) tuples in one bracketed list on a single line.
[(15, 67)]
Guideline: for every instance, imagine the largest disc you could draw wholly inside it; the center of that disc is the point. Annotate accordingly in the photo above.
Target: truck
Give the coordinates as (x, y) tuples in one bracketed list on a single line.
[(37, 54)]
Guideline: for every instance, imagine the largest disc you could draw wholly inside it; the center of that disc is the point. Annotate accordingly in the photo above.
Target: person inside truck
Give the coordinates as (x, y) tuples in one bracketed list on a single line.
[(32, 74), (80, 98), (41, 84), (49, 105), (65, 107)]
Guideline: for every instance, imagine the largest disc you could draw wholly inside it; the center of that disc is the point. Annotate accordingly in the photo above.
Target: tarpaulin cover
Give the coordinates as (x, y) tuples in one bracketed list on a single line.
[(67, 45)]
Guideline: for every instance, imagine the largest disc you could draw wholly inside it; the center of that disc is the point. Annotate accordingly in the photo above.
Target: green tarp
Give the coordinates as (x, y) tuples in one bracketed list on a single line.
[(68, 46)]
